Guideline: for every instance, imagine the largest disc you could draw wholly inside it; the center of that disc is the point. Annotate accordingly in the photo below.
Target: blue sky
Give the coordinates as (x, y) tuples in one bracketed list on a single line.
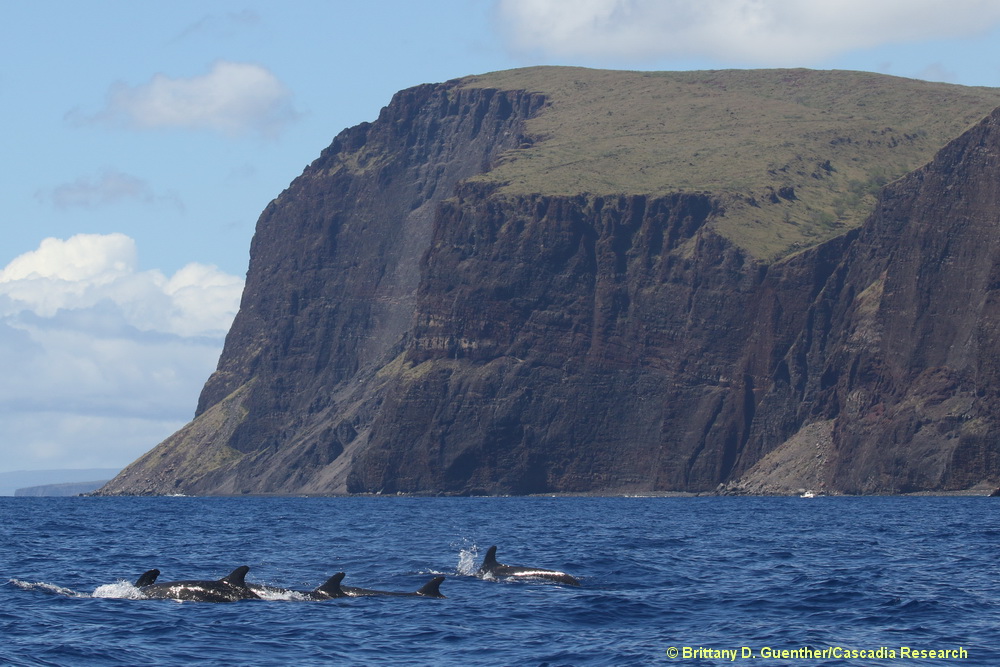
[(143, 139)]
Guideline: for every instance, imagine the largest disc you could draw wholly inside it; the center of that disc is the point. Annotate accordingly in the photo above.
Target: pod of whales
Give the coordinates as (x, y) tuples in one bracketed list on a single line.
[(234, 587), (491, 569)]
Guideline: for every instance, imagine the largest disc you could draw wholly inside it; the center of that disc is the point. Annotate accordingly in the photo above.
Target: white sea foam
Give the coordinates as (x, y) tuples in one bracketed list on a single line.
[(279, 594), (119, 589), (46, 588), (540, 576)]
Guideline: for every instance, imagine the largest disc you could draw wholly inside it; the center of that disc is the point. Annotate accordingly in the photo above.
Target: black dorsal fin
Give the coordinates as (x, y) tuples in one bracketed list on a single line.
[(490, 560), (237, 577), (147, 578), (332, 586), (432, 588)]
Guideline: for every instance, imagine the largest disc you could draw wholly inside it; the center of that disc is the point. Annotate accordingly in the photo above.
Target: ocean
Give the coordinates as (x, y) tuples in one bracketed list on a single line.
[(664, 581)]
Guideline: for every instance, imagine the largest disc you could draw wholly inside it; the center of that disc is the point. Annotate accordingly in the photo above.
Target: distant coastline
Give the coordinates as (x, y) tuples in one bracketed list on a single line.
[(11, 482), (65, 489)]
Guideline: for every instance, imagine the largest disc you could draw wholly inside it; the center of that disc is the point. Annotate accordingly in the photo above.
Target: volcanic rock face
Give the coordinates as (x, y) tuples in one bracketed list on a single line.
[(408, 326), (329, 297), (901, 347), (587, 344)]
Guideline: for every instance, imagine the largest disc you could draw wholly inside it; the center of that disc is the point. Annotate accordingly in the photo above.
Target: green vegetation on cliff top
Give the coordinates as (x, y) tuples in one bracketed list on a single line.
[(795, 156)]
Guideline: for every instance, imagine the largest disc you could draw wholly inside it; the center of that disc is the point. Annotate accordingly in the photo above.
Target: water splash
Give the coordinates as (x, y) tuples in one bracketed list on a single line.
[(468, 560), (120, 589), (281, 594)]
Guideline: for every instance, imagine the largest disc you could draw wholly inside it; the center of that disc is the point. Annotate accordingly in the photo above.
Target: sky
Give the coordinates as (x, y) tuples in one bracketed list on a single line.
[(142, 140)]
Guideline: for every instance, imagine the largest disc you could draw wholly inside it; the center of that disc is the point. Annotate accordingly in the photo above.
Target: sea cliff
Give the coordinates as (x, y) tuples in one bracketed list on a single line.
[(563, 280)]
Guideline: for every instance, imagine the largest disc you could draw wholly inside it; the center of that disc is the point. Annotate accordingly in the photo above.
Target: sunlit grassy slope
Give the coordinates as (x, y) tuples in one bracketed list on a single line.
[(796, 156)]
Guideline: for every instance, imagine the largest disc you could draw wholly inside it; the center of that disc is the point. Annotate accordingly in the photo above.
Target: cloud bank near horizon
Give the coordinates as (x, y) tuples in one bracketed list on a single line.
[(103, 360), (757, 32)]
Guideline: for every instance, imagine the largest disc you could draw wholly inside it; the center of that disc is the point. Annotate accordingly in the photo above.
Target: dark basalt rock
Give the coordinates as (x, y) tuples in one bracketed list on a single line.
[(408, 328), (586, 344), (901, 346)]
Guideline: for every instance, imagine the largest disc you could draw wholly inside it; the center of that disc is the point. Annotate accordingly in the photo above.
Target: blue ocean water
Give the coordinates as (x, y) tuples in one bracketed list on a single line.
[(699, 575)]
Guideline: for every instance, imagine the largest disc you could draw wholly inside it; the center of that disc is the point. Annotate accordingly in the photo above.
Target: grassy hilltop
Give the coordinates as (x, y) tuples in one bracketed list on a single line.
[(797, 156)]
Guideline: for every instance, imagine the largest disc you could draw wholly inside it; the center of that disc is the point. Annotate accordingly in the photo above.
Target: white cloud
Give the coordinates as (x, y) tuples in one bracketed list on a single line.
[(102, 360), (88, 270), (109, 187), (83, 259), (204, 299), (769, 32), (233, 98)]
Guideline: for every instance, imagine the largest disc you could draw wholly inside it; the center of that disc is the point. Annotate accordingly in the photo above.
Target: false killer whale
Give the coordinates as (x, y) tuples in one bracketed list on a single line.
[(329, 590), (492, 569), (230, 588), (333, 589), (429, 590)]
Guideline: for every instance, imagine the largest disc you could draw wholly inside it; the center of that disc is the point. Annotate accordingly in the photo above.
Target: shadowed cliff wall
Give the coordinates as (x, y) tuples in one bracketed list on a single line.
[(583, 344)]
